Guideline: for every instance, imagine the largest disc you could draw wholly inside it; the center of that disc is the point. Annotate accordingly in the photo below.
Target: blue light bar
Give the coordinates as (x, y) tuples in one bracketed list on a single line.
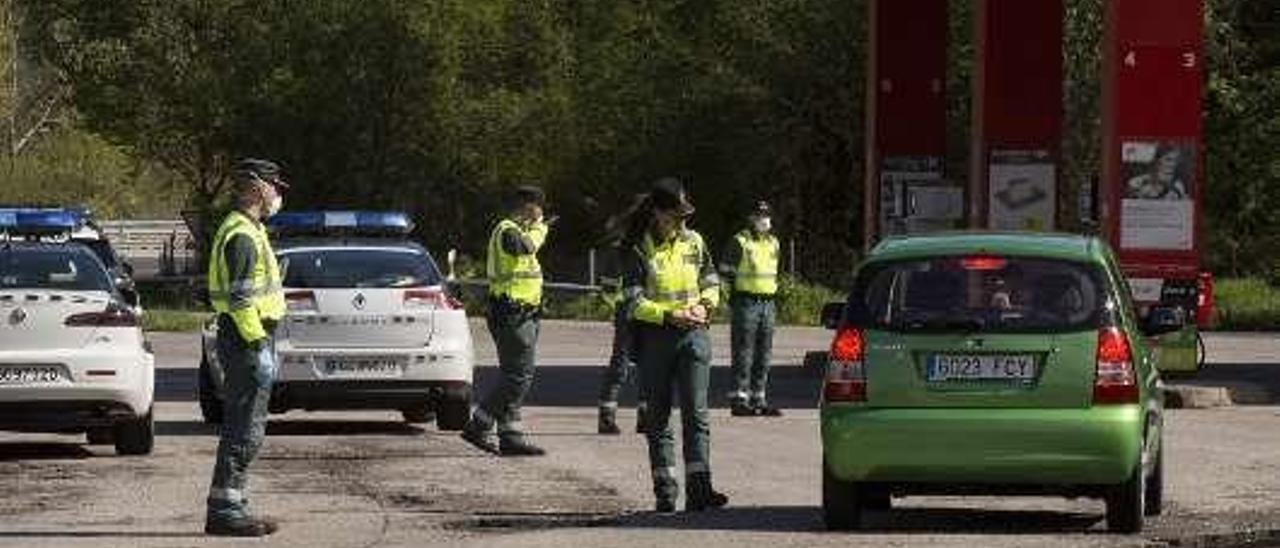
[(341, 222), (40, 220)]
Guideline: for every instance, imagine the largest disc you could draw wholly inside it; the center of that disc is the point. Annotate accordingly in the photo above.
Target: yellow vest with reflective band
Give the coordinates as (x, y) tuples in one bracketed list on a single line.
[(758, 268), (516, 276), (266, 295), (675, 277)]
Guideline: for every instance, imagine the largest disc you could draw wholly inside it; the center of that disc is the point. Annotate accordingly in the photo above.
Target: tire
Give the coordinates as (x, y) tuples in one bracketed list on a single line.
[(418, 415), (135, 436), (1126, 503), (1154, 504), (878, 500), (842, 504), (99, 436), (210, 403), (454, 409)]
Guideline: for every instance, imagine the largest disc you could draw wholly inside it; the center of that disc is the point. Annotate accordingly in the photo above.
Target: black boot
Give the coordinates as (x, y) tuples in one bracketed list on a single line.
[(766, 410), (740, 408), (478, 434), (608, 423), (239, 527), (699, 495), (519, 447)]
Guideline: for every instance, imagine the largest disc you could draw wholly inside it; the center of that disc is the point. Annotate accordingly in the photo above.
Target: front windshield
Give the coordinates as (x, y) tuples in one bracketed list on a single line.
[(981, 294), (358, 268)]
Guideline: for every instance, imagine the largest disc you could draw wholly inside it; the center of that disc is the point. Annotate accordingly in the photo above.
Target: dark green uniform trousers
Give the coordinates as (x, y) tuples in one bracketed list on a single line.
[(752, 339), (675, 364), (621, 361), (246, 394), (515, 334)]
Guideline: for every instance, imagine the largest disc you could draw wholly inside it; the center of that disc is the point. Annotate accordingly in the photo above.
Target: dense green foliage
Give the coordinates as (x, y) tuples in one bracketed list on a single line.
[(436, 106), (1246, 305)]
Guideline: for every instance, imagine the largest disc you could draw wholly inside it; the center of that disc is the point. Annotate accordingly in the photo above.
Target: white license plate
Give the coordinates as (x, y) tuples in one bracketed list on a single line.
[(948, 367), (379, 367), (30, 375)]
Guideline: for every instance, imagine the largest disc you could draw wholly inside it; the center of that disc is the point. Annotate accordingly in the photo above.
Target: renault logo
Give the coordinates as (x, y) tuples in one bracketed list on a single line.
[(358, 302), (17, 316)]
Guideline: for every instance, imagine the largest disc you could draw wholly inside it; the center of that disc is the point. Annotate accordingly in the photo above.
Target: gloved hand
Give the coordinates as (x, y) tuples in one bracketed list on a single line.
[(266, 366)]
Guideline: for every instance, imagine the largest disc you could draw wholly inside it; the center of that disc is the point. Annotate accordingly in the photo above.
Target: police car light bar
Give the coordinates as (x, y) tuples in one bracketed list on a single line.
[(40, 220), (341, 222)]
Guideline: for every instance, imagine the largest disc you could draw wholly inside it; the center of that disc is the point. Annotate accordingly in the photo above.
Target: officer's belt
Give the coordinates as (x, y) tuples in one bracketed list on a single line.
[(252, 292)]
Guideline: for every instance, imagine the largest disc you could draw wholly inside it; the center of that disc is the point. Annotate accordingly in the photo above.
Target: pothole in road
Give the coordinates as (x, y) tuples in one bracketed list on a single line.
[(521, 522)]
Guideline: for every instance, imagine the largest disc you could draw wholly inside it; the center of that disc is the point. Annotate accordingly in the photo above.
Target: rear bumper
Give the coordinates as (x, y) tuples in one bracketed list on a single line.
[(996, 447), (360, 394), (63, 416), (112, 376)]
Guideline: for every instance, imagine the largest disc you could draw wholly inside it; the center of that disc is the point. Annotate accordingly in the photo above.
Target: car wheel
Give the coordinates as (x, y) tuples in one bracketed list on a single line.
[(210, 403), (99, 436), (418, 415), (1155, 487), (135, 436), (878, 500), (455, 409), (842, 504), (1126, 504)]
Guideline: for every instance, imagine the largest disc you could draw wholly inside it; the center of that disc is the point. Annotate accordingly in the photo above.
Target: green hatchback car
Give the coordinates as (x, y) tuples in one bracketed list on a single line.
[(992, 364)]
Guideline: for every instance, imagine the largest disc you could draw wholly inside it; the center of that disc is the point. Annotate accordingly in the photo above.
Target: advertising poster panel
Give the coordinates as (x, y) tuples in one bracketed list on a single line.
[(1023, 186), (914, 197), (1157, 209)]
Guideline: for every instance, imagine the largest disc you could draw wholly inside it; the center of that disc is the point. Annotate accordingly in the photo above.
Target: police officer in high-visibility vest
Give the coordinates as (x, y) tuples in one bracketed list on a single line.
[(515, 304), (622, 358), (750, 267), (670, 289), (245, 291)]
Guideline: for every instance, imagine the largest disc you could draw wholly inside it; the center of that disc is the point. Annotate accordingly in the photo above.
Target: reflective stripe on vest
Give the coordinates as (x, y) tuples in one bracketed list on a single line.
[(264, 288), (674, 278), (758, 268), (516, 276)]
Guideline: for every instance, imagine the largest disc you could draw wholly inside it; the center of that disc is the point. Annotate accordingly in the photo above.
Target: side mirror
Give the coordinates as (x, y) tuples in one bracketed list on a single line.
[(451, 258), (127, 268), (128, 290), (1163, 319), (832, 315)]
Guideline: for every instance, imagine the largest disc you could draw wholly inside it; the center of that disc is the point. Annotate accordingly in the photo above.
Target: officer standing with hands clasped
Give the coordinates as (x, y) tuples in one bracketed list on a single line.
[(750, 264), (670, 288), (515, 304), (245, 291)]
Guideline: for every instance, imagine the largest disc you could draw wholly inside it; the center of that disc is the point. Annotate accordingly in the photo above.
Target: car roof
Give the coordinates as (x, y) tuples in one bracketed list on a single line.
[(1050, 245), (295, 244)]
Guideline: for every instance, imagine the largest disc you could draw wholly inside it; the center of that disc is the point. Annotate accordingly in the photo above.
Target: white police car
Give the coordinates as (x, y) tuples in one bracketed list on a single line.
[(72, 354), (84, 229), (369, 323)]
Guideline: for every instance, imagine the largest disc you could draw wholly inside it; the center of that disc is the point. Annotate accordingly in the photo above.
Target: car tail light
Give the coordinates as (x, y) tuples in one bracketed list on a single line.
[(430, 297), (1204, 300), (113, 316), (1116, 381), (300, 300), (846, 379), (983, 262)]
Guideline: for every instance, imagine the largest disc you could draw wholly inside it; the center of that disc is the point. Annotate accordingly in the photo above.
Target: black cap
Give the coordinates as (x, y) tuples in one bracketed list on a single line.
[(760, 209), (668, 195), (255, 169), (525, 194)]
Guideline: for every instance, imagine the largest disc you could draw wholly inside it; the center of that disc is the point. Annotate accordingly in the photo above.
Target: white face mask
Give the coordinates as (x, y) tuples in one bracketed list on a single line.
[(276, 203), (762, 224)]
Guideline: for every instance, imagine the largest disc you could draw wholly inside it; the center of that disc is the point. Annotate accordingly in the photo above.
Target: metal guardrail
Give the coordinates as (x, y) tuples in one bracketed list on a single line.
[(156, 248)]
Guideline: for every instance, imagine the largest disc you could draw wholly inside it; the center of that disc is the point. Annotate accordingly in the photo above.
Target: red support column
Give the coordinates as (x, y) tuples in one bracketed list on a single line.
[(1017, 114), (1152, 179), (907, 121)]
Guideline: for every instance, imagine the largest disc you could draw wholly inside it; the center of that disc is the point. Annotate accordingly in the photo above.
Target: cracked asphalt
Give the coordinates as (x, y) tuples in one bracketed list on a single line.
[(363, 479)]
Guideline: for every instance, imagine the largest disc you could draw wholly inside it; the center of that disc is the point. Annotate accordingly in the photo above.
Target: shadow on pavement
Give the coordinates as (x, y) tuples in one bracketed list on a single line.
[(1251, 384), (298, 428), (42, 451), (100, 534), (794, 519)]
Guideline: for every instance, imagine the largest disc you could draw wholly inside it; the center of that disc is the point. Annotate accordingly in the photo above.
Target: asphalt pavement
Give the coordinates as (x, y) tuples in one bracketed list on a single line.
[(357, 479)]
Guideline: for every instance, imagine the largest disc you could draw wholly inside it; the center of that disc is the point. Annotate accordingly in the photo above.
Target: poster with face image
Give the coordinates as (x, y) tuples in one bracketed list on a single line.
[(1156, 207)]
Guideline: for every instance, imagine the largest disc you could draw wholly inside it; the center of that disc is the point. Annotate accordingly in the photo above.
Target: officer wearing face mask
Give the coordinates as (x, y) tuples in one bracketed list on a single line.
[(245, 291), (749, 266)]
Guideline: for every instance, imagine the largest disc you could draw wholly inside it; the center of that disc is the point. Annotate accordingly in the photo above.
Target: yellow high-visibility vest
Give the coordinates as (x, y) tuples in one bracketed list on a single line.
[(758, 268), (518, 277), (266, 293)]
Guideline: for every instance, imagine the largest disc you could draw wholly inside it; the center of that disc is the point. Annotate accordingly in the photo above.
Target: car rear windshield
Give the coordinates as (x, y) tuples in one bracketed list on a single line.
[(983, 293), (349, 268), (69, 267)]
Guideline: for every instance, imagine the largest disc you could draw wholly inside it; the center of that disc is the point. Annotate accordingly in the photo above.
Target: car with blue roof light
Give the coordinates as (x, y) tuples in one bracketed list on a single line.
[(370, 323), (73, 358)]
